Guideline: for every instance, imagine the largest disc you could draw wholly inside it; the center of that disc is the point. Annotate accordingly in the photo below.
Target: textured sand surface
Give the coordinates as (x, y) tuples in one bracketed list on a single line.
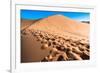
[(55, 38)]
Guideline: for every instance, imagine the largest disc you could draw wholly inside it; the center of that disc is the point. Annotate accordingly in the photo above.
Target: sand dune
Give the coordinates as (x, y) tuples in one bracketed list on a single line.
[(62, 24), (26, 23), (55, 38)]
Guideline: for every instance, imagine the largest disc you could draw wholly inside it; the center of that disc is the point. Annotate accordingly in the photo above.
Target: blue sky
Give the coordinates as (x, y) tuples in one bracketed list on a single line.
[(38, 14)]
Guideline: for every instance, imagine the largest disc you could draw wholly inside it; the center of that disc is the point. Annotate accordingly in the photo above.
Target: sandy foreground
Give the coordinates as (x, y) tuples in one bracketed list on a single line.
[(55, 38)]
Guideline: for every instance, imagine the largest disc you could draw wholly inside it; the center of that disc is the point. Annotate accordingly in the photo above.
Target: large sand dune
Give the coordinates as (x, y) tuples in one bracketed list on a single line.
[(54, 38), (61, 24)]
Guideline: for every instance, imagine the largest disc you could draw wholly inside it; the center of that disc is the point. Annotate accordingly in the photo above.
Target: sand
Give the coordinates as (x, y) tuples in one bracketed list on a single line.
[(55, 38)]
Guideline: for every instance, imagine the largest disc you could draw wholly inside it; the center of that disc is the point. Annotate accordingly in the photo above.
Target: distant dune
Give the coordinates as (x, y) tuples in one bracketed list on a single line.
[(26, 23), (86, 22), (73, 38)]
